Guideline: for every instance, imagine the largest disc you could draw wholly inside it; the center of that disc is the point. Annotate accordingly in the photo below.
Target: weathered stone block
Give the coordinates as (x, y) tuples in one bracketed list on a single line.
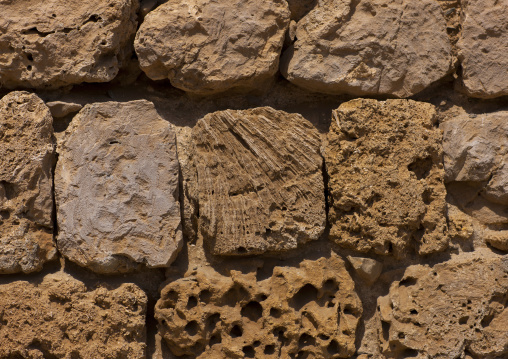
[(205, 46), (48, 44), (26, 181), (259, 181), (116, 185), (385, 169)]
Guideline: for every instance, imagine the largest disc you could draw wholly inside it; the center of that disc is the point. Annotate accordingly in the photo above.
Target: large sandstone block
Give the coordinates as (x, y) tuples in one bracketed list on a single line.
[(306, 311), (457, 309), (62, 318), (207, 46), (56, 43), (26, 197), (116, 185), (483, 47), (476, 169), (369, 47), (259, 181), (385, 169)]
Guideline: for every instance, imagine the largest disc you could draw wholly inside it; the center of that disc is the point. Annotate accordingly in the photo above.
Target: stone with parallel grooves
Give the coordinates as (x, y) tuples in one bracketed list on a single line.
[(116, 185), (260, 183)]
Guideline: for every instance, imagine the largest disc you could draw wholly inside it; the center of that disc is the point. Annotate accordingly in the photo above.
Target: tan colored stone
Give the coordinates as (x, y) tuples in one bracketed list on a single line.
[(205, 46), (26, 198), (386, 190), (48, 44), (476, 169), (259, 181), (455, 308), (116, 185), (367, 268), (475, 150), (483, 47), (370, 47), (62, 318), (307, 310)]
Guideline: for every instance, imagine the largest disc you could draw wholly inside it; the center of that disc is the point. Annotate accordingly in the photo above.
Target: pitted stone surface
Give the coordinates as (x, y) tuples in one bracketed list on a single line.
[(207, 46), (308, 311), (385, 169), (369, 47), (259, 181), (48, 44), (483, 47), (116, 185), (26, 197), (62, 318), (453, 309)]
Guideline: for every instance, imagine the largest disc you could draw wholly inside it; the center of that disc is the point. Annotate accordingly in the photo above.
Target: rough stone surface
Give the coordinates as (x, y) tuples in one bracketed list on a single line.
[(384, 163), (483, 47), (370, 47), (116, 185), (454, 309), (26, 198), (62, 318), (476, 169), (260, 183), (310, 311), (52, 43), (206, 46), (61, 109)]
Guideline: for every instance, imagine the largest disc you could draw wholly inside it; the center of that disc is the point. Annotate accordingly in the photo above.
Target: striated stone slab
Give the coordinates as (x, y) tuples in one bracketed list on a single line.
[(26, 197), (48, 44), (259, 181), (454, 309), (310, 311), (116, 185), (369, 47), (62, 318), (206, 46), (483, 47), (385, 169)]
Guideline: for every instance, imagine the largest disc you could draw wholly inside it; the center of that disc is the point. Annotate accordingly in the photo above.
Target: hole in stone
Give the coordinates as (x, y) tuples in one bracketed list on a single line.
[(386, 330), (486, 320), (407, 282), (323, 337), (276, 313), (402, 335), (330, 285), (114, 142), (421, 167), (9, 189), (5, 214), (279, 333), (192, 328), (212, 321), (413, 311), (248, 351), (241, 250), (29, 67), (29, 57), (263, 297), (390, 247), (170, 300), (205, 296), (235, 294), (348, 310), (192, 302), (333, 347), (268, 231), (215, 339), (252, 310), (305, 295), (269, 349), (236, 331), (409, 353), (463, 320), (306, 339)]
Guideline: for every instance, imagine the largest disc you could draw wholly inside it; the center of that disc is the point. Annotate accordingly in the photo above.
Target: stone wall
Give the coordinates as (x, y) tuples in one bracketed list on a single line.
[(254, 179)]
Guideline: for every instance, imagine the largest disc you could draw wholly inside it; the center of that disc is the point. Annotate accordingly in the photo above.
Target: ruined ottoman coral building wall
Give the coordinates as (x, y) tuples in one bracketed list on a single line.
[(254, 179)]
